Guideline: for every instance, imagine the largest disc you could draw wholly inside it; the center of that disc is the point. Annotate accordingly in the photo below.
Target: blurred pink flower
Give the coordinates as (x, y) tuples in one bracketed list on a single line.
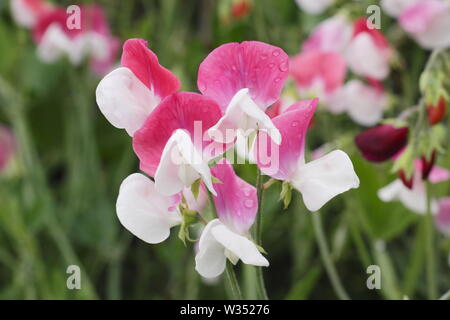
[(27, 12), (128, 94), (93, 39), (442, 219), (368, 53), (7, 146)]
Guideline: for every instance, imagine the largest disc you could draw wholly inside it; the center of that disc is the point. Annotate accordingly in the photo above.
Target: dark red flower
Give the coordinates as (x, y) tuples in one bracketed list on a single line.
[(437, 113), (240, 9), (382, 142), (427, 165)]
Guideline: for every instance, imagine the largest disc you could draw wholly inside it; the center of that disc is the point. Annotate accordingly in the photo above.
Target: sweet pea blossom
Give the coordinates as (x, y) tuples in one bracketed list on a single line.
[(172, 144), (244, 79), (93, 39), (228, 236), (414, 198), (145, 212), (395, 7), (442, 218), (428, 22), (368, 52), (319, 74), (314, 6), (331, 35), (27, 12), (319, 180), (382, 142), (128, 94), (364, 103), (7, 146)]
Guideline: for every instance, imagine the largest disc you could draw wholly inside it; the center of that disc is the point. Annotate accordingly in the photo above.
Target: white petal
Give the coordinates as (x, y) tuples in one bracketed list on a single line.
[(321, 180), (366, 59), (210, 259), (217, 242), (239, 245), (180, 165), (437, 35), (395, 7), (54, 44), (414, 199), (244, 114), (22, 14), (143, 211), (314, 6), (124, 100)]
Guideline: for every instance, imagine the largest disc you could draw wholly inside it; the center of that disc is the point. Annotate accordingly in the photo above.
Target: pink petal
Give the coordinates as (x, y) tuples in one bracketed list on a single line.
[(310, 66), (420, 15), (258, 66), (184, 110), (27, 12), (280, 162), (438, 174), (144, 64), (236, 201), (442, 218)]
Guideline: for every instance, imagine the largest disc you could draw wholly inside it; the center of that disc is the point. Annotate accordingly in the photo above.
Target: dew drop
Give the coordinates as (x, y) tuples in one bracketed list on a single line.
[(202, 86), (264, 56), (233, 67), (294, 123), (276, 53), (248, 203), (247, 192), (283, 67), (277, 80), (271, 65)]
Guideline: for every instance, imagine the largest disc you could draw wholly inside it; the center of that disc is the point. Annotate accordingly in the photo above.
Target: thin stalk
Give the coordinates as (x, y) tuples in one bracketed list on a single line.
[(261, 287), (431, 258), (327, 259), (231, 275)]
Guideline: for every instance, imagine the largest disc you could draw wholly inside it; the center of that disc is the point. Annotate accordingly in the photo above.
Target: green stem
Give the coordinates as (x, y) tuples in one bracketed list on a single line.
[(431, 258), (261, 287), (232, 280), (231, 275), (326, 258)]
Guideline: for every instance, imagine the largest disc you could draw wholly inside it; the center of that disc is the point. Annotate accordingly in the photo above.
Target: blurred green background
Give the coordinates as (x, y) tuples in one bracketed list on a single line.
[(57, 203)]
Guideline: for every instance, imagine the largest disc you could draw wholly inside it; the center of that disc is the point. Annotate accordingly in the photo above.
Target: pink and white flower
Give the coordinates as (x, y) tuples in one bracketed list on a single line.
[(228, 236), (396, 7), (145, 212), (314, 6), (364, 103), (244, 79), (319, 180), (331, 35), (172, 145), (93, 39), (414, 198), (318, 74), (368, 53), (128, 94), (27, 12)]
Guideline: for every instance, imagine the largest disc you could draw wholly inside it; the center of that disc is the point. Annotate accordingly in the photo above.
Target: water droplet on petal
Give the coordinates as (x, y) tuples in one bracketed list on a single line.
[(271, 65), (276, 53), (248, 203), (283, 66), (202, 86), (294, 123), (264, 56), (233, 67), (247, 192), (277, 80)]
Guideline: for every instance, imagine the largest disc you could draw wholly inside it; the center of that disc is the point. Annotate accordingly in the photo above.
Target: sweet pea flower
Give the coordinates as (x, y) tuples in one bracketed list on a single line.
[(382, 142), (428, 22), (368, 52), (228, 236), (314, 6), (93, 39), (244, 79), (414, 198), (145, 212), (172, 144), (364, 103), (442, 218), (319, 180), (396, 7), (27, 12), (331, 35), (128, 94), (318, 73), (7, 146)]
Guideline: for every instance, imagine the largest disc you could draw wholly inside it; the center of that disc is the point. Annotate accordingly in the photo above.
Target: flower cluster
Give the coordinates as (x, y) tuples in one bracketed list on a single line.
[(180, 139), (83, 33)]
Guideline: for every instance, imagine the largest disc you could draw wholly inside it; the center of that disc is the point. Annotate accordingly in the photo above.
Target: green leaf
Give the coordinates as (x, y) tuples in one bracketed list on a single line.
[(195, 188)]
